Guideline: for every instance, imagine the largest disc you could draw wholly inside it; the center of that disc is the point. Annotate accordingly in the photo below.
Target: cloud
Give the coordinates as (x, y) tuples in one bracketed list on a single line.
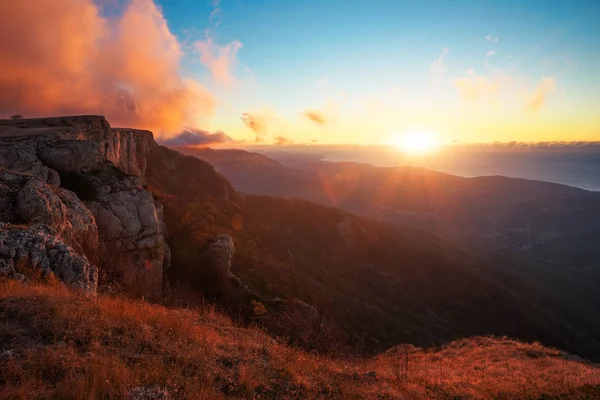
[(438, 68), (487, 55), (198, 138), (214, 19), (257, 122), (591, 145), (65, 57), (315, 116), (282, 141), (326, 114), (219, 60), (544, 88), (260, 122), (476, 88), (492, 38)]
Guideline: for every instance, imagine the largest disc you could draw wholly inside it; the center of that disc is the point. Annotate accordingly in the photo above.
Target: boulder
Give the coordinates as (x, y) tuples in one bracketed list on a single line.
[(218, 255), (37, 252), (26, 200)]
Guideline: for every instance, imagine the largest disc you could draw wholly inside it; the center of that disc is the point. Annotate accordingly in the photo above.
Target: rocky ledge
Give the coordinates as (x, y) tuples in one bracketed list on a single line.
[(73, 207)]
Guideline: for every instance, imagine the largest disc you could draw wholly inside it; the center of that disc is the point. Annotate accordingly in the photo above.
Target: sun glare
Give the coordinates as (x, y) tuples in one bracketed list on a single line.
[(415, 142)]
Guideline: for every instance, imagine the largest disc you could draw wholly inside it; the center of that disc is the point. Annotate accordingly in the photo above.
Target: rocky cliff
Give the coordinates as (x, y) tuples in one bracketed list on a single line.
[(72, 204)]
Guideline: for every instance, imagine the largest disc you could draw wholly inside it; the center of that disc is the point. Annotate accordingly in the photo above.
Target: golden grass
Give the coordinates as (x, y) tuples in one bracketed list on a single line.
[(58, 344)]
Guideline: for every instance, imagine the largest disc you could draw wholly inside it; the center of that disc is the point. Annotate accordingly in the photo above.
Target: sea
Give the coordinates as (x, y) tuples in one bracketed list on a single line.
[(575, 165)]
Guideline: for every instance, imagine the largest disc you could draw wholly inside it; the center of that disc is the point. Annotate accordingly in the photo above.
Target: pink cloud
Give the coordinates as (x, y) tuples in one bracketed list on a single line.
[(64, 57), (219, 60)]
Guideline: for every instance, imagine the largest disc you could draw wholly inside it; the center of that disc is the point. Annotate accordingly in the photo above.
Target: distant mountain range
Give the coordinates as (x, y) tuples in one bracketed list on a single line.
[(437, 256), (547, 220)]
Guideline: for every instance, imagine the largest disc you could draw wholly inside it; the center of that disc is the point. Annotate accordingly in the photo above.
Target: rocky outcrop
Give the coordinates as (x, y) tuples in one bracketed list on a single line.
[(80, 180), (45, 231), (37, 252), (215, 260), (47, 138), (131, 226), (26, 200), (218, 256), (23, 157)]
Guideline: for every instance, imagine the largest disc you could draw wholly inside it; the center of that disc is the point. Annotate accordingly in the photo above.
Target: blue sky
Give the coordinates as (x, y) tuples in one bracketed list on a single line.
[(338, 56)]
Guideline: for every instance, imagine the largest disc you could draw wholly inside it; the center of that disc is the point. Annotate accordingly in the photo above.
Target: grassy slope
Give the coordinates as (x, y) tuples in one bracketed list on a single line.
[(57, 344)]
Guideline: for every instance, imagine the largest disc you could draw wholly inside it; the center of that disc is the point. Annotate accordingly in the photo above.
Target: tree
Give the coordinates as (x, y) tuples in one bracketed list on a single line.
[(16, 116)]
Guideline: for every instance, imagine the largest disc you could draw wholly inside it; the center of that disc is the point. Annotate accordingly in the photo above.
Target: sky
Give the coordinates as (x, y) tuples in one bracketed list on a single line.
[(337, 71)]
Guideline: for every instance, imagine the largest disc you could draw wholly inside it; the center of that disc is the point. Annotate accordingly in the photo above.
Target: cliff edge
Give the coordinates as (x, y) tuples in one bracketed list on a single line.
[(73, 205)]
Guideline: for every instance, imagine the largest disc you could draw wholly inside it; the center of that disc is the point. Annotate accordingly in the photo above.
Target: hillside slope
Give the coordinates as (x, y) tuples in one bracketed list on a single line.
[(381, 284), (57, 344), (541, 219)]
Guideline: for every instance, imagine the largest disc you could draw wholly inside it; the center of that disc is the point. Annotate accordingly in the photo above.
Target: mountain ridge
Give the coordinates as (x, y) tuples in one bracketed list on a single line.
[(380, 284)]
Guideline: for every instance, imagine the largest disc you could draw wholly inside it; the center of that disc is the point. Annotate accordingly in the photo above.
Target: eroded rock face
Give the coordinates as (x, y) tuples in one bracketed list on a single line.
[(75, 178), (48, 138), (23, 158), (131, 229), (45, 231), (38, 252), (218, 255), (26, 200)]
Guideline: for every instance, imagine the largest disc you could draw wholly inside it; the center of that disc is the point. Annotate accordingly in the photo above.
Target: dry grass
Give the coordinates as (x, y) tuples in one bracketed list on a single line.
[(57, 344)]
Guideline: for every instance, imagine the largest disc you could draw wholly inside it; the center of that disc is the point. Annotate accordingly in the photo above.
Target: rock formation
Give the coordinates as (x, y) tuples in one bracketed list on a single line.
[(72, 202), (215, 276)]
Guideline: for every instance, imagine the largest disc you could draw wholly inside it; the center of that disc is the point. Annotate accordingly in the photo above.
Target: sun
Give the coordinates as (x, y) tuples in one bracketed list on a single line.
[(415, 142)]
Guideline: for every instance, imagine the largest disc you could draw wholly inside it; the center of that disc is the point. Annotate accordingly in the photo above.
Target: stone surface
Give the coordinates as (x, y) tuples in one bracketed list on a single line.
[(47, 229), (37, 252), (126, 148), (131, 230), (218, 255), (82, 181), (26, 200), (23, 157)]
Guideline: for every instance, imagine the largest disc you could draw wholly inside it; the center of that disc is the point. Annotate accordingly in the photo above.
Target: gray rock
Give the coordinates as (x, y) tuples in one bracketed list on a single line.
[(37, 252), (105, 217), (131, 230), (22, 157), (26, 200), (219, 254), (52, 137), (70, 155)]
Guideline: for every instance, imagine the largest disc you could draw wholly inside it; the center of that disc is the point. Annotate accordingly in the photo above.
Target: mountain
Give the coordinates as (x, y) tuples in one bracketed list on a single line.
[(552, 263), (254, 173), (74, 208), (545, 222), (381, 284), (110, 211)]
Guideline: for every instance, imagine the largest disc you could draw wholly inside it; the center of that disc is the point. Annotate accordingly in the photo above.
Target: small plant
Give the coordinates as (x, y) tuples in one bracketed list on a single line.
[(16, 116)]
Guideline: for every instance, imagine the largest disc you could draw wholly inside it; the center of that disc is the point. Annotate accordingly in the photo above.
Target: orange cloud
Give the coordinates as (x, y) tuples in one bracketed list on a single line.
[(256, 122), (282, 141), (218, 59), (260, 122), (544, 88), (315, 116), (64, 57)]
